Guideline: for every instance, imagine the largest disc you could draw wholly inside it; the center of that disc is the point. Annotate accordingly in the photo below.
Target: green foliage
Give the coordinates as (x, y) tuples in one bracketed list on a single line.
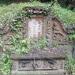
[(71, 37), (8, 13), (70, 65), (5, 64), (16, 24), (42, 42), (24, 45), (66, 15), (39, 44), (20, 45)]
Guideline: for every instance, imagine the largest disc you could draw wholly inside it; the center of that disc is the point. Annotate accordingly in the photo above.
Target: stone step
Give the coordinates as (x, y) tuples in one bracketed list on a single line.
[(52, 72)]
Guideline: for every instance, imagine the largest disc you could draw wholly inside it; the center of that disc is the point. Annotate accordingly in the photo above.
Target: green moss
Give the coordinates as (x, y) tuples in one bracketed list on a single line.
[(9, 12), (15, 7)]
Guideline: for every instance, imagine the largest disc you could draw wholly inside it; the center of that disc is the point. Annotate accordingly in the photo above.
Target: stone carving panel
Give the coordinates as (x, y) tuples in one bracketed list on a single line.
[(25, 65)]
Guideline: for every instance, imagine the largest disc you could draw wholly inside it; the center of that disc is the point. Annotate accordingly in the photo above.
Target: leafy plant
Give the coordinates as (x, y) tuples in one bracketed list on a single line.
[(42, 42), (71, 37), (16, 24), (20, 45), (5, 64), (26, 44), (70, 65)]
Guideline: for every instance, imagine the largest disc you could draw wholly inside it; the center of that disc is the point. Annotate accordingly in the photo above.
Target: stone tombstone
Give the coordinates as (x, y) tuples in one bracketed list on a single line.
[(51, 58)]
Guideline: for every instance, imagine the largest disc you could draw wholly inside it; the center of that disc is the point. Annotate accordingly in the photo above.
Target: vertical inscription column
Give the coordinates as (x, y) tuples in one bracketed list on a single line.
[(36, 27)]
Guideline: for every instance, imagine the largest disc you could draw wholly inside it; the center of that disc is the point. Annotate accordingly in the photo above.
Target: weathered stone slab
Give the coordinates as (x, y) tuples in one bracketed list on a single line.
[(31, 65), (55, 72), (41, 54)]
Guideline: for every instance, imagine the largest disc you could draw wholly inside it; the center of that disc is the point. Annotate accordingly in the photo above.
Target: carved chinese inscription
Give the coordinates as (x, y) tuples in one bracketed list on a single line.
[(39, 65), (34, 28)]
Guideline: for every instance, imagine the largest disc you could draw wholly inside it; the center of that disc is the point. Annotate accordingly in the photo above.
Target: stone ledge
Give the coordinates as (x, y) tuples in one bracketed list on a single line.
[(50, 72), (52, 53)]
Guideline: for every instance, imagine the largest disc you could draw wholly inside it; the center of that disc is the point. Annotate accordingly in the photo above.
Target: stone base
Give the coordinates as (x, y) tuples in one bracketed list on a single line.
[(44, 72)]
